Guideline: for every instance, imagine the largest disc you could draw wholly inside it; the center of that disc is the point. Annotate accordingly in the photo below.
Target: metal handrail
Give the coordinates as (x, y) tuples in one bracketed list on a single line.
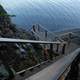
[(9, 40)]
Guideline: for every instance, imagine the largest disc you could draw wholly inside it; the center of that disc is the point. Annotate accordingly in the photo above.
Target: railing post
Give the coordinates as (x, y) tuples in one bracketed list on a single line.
[(57, 49), (45, 52), (63, 48), (51, 52)]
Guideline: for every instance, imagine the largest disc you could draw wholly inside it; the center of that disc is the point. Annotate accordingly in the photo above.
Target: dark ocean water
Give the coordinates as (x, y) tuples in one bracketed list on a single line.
[(54, 15)]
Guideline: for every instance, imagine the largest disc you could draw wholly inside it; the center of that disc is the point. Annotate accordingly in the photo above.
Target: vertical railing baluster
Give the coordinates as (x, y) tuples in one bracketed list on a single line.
[(63, 48), (57, 48), (51, 52)]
